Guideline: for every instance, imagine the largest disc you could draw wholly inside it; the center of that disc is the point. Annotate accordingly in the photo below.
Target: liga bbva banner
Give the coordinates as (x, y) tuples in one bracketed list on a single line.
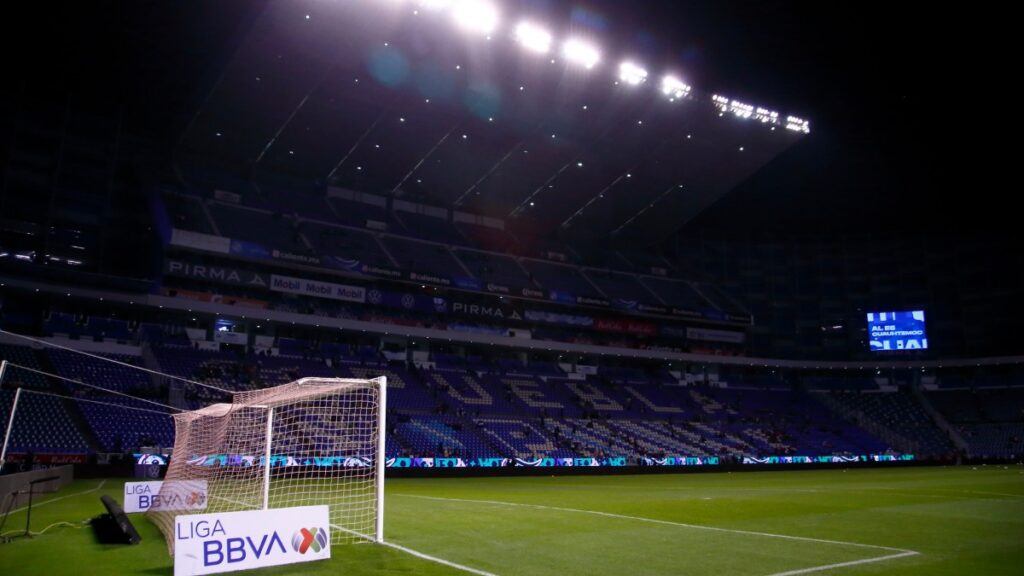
[(179, 495), (230, 541)]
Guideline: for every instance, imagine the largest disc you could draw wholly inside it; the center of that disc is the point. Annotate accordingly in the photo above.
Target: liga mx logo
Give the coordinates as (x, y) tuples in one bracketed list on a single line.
[(195, 500), (307, 538)]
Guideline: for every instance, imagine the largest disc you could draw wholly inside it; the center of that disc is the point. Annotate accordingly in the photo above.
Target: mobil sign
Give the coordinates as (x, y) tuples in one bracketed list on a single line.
[(229, 541)]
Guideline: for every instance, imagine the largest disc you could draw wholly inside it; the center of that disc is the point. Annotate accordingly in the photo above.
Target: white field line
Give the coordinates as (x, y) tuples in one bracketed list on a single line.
[(436, 559), (656, 521), (897, 552), (254, 507), (983, 493), (352, 532), (845, 564), (59, 498)]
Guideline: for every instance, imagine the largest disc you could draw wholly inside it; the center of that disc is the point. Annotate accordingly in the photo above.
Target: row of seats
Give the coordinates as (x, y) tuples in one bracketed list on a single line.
[(448, 250), (994, 440), (990, 421), (505, 408), (92, 326), (43, 424), (901, 413)]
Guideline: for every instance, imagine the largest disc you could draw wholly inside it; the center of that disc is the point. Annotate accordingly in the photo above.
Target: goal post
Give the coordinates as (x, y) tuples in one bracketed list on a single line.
[(314, 441), (10, 419)]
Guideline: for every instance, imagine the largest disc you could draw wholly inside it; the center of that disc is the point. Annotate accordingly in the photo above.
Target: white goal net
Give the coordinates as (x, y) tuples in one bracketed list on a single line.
[(322, 437)]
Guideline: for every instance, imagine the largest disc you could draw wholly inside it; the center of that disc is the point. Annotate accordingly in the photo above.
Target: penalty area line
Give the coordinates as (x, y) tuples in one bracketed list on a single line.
[(845, 564)]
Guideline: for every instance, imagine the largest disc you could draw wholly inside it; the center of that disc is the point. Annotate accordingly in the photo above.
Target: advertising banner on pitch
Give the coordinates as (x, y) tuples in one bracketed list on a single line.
[(179, 495), (230, 541)]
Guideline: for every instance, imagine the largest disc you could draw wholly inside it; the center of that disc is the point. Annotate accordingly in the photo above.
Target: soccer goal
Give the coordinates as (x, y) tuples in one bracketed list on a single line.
[(315, 441)]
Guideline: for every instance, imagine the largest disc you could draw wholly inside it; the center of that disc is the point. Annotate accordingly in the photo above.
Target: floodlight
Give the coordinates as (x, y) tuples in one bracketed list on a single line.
[(766, 116), (476, 16), (581, 52), (674, 87), (533, 37), (740, 109), (798, 124), (630, 73)]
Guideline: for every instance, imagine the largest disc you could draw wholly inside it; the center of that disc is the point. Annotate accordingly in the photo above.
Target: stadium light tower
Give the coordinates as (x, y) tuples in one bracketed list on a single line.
[(476, 16), (533, 38), (632, 74), (674, 88), (581, 52)]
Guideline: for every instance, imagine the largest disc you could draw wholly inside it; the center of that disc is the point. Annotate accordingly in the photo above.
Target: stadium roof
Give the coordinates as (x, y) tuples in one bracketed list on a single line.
[(393, 98)]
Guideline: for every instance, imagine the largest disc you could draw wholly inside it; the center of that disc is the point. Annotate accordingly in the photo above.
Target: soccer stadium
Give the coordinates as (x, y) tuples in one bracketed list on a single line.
[(508, 287)]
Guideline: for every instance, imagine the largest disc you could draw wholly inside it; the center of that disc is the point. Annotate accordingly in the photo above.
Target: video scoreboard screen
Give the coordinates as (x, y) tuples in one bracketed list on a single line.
[(888, 331)]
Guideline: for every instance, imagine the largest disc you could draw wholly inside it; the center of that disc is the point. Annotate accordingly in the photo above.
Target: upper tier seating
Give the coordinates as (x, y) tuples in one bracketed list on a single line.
[(559, 277), (488, 238), (186, 213), (267, 229), (621, 286), (345, 243), (489, 267), (431, 228), (423, 257), (677, 293), (358, 214)]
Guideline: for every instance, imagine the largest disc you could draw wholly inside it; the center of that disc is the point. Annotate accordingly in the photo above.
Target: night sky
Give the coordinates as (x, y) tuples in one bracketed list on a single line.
[(908, 134)]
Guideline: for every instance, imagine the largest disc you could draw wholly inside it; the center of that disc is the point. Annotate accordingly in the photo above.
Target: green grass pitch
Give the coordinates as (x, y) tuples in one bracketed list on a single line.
[(930, 521)]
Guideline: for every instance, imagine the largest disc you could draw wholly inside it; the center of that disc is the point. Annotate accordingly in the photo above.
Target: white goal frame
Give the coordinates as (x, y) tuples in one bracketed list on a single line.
[(232, 486)]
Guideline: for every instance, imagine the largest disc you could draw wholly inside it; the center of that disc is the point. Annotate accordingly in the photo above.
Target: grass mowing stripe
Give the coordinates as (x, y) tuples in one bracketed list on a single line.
[(665, 522)]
